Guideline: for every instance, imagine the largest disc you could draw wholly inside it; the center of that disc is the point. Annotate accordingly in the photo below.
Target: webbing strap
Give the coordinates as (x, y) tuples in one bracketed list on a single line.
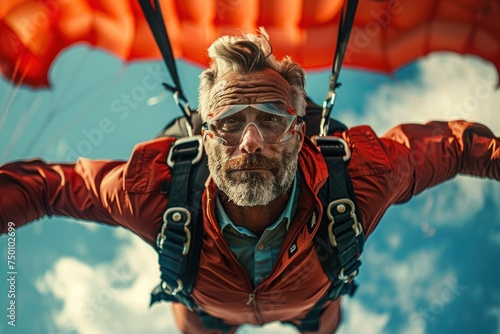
[(152, 12), (181, 229), (210, 322), (340, 239), (345, 26)]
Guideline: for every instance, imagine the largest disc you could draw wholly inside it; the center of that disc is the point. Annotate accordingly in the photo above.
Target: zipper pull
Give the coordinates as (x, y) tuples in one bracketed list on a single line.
[(251, 297)]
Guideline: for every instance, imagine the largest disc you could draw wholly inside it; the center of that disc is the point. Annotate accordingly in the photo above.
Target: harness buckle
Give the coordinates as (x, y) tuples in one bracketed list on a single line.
[(340, 206), (332, 142), (185, 147), (177, 215), (168, 289), (348, 278)]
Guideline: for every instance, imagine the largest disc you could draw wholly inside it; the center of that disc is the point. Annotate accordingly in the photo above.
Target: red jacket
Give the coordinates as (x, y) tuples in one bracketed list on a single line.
[(386, 170)]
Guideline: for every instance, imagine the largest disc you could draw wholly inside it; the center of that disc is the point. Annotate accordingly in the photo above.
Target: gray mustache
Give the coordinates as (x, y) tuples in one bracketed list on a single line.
[(252, 161)]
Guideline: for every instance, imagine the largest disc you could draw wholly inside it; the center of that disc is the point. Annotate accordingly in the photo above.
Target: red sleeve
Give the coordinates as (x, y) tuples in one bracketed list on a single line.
[(425, 155), (33, 189), (112, 192), (413, 157)]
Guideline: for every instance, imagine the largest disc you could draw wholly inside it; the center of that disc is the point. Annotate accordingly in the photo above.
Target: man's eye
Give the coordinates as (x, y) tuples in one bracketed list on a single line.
[(230, 120), (272, 118), (230, 124)]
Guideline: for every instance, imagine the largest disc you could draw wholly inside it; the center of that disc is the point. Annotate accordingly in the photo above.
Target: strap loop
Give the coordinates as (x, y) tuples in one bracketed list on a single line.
[(186, 147), (175, 215), (332, 146), (169, 291)]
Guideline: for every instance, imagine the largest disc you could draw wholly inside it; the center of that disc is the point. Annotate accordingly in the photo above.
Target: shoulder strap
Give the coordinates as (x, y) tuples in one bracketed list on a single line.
[(182, 223), (340, 239)]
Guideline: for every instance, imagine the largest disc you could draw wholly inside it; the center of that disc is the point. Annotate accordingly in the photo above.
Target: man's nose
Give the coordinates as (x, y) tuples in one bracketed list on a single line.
[(251, 140)]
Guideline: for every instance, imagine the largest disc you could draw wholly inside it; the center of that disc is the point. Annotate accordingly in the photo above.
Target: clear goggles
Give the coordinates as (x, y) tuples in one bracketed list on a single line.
[(275, 123)]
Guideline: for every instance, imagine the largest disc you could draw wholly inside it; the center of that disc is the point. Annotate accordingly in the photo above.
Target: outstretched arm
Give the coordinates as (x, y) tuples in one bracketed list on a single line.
[(112, 192), (413, 157), (426, 155), (33, 189)]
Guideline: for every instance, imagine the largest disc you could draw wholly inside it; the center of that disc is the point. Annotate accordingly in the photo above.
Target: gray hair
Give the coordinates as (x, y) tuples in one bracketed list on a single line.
[(245, 54)]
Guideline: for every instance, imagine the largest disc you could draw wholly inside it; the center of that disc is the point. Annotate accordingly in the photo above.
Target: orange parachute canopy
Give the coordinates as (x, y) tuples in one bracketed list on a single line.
[(385, 36)]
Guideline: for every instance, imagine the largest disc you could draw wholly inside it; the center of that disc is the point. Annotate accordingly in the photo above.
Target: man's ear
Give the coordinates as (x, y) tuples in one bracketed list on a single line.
[(301, 131), (204, 139)]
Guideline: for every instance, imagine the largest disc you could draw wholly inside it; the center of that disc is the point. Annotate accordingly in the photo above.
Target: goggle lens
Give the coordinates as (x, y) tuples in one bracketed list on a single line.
[(275, 123)]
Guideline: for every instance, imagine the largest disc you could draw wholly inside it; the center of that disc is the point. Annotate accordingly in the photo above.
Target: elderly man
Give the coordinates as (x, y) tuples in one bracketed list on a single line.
[(260, 204)]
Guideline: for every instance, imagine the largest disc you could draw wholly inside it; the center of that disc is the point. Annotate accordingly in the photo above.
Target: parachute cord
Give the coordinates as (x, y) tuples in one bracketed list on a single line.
[(68, 85), (55, 106), (103, 92), (10, 86), (15, 90), (153, 14), (21, 126), (346, 22)]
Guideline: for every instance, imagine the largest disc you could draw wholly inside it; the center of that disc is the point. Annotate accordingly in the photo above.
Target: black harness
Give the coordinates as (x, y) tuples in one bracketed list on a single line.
[(340, 238), (338, 242)]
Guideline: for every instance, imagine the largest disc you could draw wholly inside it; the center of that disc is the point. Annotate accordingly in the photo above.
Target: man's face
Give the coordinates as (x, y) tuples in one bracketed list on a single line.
[(253, 172)]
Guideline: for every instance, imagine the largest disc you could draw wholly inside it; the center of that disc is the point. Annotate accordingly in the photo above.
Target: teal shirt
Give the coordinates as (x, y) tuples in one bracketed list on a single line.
[(258, 255)]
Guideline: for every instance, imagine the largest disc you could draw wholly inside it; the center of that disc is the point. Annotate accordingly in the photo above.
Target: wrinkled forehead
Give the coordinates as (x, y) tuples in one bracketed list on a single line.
[(266, 86)]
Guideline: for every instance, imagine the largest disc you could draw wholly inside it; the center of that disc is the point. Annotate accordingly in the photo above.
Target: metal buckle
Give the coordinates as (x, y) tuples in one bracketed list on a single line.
[(335, 140), (328, 104), (183, 141), (340, 206), (177, 214), (168, 289), (348, 278)]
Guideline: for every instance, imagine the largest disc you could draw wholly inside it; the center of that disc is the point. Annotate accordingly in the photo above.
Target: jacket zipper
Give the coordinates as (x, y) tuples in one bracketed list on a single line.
[(252, 295), (251, 300)]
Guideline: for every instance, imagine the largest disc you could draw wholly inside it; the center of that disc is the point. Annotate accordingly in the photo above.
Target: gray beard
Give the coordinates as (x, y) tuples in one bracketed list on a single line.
[(253, 188)]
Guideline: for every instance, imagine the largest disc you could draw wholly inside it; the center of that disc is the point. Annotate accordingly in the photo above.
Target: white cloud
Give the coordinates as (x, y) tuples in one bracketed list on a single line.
[(109, 297), (393, 240), (495, 312), (114, 297), (359, 319), (420, 288), (461, 200), (411, 277), (450, 86), (495, 237), (440, 294), (452, 204), (271, 328)]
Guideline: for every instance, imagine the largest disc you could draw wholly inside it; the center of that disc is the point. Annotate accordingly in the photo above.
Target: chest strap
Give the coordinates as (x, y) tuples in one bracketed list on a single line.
[(340, 238), (181, 229)]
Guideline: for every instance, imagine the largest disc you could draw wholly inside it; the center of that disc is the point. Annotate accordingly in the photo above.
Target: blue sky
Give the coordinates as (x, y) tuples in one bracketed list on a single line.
[(432, 266)]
